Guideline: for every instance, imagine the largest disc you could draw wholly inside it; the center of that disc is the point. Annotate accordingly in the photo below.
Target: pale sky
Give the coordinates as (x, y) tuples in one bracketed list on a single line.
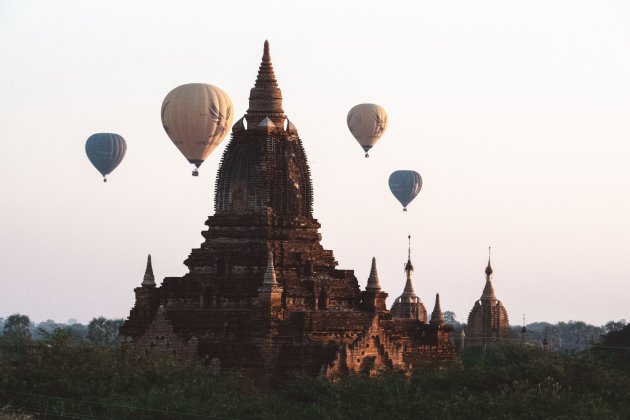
[(516, 114)]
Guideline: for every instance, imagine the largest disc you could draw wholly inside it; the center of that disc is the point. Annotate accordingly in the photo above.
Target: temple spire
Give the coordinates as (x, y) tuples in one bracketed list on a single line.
[(373, 282), (489, 267), (265, 98), (149, 279), (270, 273), (488, 290), (266, 76), (409, 266), (437, 317), (408, 269)]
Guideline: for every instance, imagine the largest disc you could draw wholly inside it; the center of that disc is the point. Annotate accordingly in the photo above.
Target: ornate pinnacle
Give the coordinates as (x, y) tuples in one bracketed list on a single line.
[(266, 76), (373, 283), (488, 268), (488, 290), (408, 286), (437, 317), (409, 266), (270, 273), (265, 98), (149, 279)]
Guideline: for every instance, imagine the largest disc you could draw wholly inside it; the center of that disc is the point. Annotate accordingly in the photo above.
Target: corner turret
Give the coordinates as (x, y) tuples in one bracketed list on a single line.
[(437, 317), (149, 278), (373, 299)]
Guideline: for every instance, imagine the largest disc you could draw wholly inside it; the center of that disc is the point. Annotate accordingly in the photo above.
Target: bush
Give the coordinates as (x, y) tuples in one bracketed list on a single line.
[(60, 377)]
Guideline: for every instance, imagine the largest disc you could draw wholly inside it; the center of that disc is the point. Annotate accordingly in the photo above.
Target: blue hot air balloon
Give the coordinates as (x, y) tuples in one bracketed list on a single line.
[(105, 151), (405, 185)]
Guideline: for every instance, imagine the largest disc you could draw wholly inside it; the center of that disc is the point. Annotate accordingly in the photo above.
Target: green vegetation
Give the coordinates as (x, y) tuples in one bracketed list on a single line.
[(57, 375)]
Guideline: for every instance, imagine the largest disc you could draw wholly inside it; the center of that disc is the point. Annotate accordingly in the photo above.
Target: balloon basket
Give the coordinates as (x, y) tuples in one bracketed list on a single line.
[(404, 208), (104, 179), (195, 173), (367, 156)]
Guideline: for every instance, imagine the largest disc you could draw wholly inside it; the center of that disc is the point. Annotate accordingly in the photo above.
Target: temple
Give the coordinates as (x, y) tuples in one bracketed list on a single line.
[(262, 297), (488, 320)]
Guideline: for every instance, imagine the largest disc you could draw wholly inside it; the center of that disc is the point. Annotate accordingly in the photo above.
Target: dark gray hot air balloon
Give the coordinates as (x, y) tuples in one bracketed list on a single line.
[(105, 151), (405, 185)]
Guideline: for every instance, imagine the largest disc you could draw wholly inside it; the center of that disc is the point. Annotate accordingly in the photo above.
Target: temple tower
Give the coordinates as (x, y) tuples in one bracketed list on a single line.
[(264, 203), (488, 320), (437, 317), (373, 298), (408, 305)]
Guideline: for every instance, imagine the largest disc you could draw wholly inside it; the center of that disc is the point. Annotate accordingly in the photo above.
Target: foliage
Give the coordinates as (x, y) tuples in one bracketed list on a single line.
[(565, 336), (619, 337), (451, 318), (58, 376), (17, 326), (615, 326), (103, 331)]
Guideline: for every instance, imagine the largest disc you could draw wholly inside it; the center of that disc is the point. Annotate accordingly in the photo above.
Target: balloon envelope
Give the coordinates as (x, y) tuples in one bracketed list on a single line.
[(367, 123), (405, 185), (197, 117), (105, 151)]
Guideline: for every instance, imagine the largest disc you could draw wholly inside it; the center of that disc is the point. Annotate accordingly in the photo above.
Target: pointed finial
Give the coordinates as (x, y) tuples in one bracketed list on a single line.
[(149, 279), (489, 267), (270, 272), (373, 283), (409, 266)]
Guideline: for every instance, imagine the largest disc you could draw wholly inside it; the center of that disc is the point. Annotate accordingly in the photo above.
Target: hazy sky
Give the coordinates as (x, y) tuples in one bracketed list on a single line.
[(517, 115)]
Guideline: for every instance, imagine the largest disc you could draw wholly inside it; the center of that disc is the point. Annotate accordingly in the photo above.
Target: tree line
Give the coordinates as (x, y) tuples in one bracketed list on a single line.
[(562, 336), (54, 377), (99, 330)]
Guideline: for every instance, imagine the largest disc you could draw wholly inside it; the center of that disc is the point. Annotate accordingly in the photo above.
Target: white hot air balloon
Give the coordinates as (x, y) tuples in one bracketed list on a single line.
[(367, 123), (197, 117)]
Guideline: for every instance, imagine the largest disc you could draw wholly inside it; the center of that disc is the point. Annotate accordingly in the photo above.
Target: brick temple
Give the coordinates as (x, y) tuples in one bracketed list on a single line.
[(262, 297), (488, 319)]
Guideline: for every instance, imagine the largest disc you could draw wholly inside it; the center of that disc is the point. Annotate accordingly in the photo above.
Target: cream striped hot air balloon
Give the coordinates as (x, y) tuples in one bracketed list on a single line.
[(197, 117), (367, 123)]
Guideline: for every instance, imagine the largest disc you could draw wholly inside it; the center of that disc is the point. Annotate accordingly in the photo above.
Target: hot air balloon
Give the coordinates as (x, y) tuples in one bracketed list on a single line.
[(405, 185), (105, 151), (367, 123), (197, 117)]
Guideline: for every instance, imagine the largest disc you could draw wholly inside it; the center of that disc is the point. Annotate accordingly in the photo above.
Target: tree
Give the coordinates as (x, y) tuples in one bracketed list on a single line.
[(451, 318), (618, 337), (614, 326), (17, 326), (103, 331)]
